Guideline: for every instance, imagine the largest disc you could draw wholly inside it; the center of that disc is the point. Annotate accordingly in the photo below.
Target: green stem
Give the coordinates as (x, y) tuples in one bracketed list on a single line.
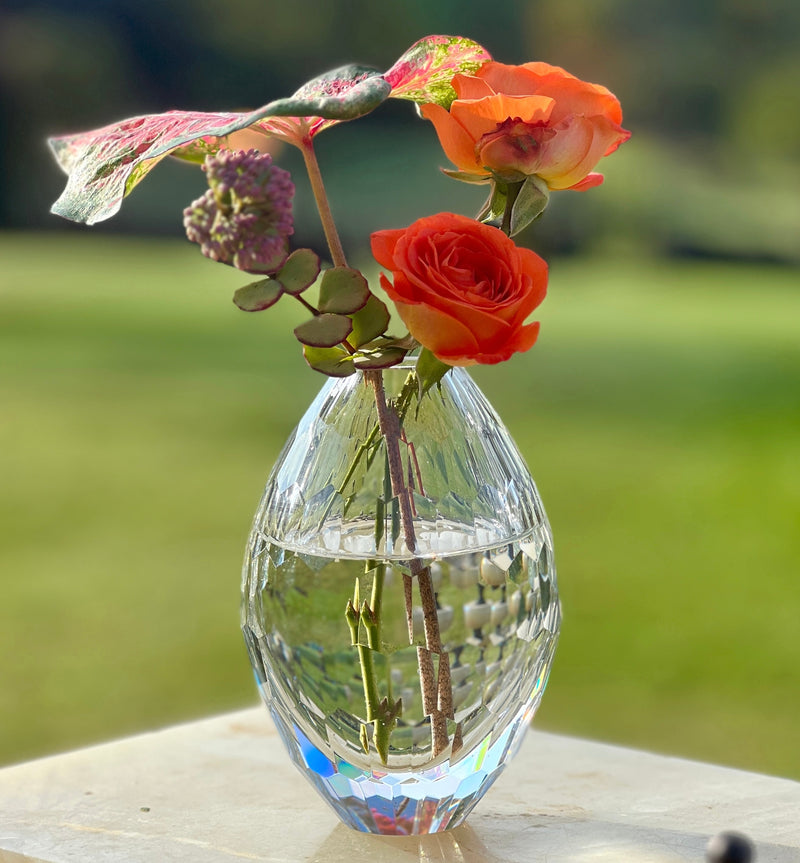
[(370, 685), (308, 305), (381, 712), (323, 206), (376, 602)]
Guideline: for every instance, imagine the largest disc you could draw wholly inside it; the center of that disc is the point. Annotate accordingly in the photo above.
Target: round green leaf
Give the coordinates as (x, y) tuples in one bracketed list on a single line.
[(369, 322), (258, 296), (299, 272), (334, 362), (343, 291), (382, 358), (324, 331)]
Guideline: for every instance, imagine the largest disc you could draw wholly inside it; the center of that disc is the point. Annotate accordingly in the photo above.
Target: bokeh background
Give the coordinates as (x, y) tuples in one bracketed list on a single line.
[(660, 411)]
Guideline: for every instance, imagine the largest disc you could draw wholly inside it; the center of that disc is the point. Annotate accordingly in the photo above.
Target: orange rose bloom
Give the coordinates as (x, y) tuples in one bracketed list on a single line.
[(529, 119), (462, 288)]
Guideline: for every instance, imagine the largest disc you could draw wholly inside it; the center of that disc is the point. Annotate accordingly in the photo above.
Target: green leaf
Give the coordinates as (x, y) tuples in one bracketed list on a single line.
[(407, 342), (334, 362), (495, 205), (369, 322), (258, 296), (529, 204), (299, 272), (343, 291), (324, 331), (382, 358), (430, 371), (465, 177)]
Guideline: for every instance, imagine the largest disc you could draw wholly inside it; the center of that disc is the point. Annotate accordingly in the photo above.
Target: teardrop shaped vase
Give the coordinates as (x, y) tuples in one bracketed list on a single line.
[(401, 632)]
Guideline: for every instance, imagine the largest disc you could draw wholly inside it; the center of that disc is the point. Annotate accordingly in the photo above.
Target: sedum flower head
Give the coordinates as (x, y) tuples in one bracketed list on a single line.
[(245, 217)]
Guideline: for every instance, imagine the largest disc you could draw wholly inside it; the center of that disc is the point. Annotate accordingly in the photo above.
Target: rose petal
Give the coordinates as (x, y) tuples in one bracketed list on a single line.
[(577, 147), (496, 109), (383, 244), (588, 182), (438, 331), (471, 87), (457, 143), (524, 341)]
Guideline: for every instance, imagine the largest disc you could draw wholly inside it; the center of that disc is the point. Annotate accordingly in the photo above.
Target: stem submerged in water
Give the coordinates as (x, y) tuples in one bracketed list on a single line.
[(437, 695)]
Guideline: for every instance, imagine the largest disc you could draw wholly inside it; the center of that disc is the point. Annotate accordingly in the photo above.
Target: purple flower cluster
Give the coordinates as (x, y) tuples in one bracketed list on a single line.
[(245, 217)]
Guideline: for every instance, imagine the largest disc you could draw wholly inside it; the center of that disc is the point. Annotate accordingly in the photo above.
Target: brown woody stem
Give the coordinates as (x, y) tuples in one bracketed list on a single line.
[(437, 696)]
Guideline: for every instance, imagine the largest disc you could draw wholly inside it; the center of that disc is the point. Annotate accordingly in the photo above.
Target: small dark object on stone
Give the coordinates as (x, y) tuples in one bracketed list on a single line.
[(729, 847)]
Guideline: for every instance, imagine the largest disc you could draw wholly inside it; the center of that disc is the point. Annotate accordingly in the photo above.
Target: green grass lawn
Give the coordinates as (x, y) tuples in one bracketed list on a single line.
[(141, 412)]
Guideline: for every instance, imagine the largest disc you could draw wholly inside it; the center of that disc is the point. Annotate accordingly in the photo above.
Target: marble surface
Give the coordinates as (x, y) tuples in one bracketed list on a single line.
[(222, 790)]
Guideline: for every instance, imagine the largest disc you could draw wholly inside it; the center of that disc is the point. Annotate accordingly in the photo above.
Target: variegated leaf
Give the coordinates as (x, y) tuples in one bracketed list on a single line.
[(106, 164), (424, 72), (342, 94)]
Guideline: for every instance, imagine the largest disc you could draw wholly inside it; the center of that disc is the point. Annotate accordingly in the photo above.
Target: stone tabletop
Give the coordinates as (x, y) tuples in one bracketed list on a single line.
[(222, 790)]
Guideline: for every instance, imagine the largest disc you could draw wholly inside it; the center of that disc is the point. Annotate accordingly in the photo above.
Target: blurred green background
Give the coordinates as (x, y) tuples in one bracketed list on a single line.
[(659, 412)]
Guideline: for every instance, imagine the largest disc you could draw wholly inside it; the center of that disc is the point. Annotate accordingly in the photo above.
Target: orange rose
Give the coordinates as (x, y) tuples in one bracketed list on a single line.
[(529, 119), (462, 288)]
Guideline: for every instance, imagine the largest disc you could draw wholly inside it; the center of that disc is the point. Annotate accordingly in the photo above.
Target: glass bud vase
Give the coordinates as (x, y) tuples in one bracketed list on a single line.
[(400, 605)]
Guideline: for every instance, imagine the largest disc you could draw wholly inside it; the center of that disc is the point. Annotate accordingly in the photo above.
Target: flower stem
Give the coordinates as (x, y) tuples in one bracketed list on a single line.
[(437, 693), (323, 206)]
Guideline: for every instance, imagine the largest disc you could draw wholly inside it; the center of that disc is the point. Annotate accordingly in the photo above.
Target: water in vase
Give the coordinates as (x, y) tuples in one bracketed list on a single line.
[(347, 691)]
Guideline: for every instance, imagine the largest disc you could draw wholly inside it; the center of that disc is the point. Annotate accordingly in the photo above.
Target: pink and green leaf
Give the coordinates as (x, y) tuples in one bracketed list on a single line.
[(106, 164), (424, 72)]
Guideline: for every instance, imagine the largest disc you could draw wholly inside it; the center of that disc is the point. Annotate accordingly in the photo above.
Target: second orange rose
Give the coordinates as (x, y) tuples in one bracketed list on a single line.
[(534, 119)]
